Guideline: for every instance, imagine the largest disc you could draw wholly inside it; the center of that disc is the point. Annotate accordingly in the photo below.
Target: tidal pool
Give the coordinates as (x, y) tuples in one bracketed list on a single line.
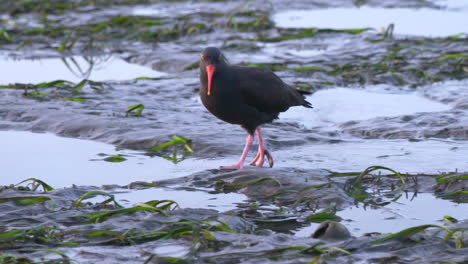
[(339, 105), (427, 156), (406, 212), (72, 69), (453, 91), (301, 51), (421, 22), (453, 4), (185, 198), (84, 254), (173, 9), (61, 162)]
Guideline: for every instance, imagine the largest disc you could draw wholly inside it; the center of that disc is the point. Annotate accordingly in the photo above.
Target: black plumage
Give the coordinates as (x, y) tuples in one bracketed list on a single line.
[(247, 96)]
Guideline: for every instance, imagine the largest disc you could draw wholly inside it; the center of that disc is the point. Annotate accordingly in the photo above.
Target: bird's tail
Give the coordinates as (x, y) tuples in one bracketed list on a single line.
[(305, 103)]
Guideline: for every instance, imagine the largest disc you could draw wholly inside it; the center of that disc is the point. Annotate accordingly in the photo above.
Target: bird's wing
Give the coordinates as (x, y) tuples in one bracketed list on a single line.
[(262, 89)]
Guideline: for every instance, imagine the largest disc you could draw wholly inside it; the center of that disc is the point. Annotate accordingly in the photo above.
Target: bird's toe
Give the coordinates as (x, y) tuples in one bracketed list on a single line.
[(255, 159), (260, 161)]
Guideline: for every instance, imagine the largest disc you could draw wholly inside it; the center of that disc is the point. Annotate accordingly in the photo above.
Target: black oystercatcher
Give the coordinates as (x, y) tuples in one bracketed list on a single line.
[(246, 96)]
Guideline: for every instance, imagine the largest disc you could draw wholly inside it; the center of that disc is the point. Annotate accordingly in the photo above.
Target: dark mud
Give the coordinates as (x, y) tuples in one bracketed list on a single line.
[(80, 229), (58, 227)]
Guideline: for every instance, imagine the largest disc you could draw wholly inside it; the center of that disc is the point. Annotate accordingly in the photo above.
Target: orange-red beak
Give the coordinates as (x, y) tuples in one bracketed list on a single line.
[(210, 71)]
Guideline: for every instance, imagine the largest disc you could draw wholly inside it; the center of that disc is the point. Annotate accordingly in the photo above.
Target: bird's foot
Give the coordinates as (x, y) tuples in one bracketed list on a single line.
[(260, 159), (236, 166), (255, 159)]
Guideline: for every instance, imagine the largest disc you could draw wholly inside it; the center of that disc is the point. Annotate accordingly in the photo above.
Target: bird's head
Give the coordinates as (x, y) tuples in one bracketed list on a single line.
[(210, 59)]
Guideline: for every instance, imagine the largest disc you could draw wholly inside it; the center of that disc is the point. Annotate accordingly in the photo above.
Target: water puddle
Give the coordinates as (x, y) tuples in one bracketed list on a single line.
[(428, 156), (430, 22), (452, 91), (300, 50), (152, 11), (453, 4), (171, 250), (72, 69), (87, 254), (174, 9), (406, 212), (62, 162), (340, 105), (184, 198)]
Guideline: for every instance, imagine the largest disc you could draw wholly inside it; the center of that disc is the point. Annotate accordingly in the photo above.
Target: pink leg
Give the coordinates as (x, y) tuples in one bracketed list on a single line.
[(261, 149), (256, 157), (260, 157), (240, 163)]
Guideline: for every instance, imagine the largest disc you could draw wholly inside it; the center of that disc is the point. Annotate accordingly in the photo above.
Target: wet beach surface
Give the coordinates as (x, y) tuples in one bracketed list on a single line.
[(99, 113)]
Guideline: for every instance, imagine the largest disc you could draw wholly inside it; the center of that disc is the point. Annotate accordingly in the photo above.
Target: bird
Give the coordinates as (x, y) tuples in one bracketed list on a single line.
[(246, 96)]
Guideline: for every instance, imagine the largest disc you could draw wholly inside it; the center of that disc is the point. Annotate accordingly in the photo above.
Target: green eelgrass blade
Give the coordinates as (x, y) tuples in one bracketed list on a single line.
[(26, 200), (92, 193), (407, 233), (374, 168), (44, 185)]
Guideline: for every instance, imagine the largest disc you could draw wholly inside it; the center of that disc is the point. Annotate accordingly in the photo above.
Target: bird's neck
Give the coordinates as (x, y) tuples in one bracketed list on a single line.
[(222, 66)]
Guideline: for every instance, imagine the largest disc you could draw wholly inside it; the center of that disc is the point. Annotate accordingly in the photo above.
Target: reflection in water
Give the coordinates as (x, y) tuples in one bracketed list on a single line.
[(338, 105), (55, 160), (176, 150), (427, 156), (185, 198), (404, 213), (84, 70)]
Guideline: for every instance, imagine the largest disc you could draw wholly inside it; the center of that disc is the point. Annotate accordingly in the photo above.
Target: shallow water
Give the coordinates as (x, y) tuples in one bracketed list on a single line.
[(184, 198), (87, 254), (171, 250), (421, 22), (428, 156), (339, 105), (307, 144), (301, 51), (72, 69), (452, 92), (422, 209), (453, 4), (172, 9), (63, 161), (54, 160)]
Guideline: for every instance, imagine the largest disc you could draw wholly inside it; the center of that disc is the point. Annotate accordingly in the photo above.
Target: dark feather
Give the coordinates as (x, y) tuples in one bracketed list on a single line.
[(265, 91)]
